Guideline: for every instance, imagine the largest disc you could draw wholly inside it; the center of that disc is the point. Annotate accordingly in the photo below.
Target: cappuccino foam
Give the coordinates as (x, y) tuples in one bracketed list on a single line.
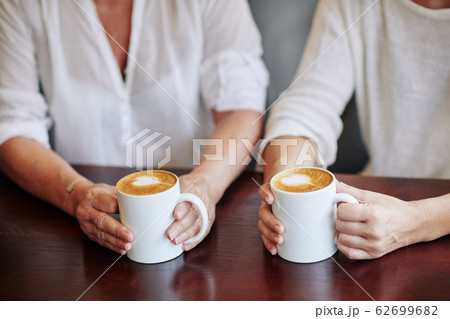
[(299, 180), (146, 182)]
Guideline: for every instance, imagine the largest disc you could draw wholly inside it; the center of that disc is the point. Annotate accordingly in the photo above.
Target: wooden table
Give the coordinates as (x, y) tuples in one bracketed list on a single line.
[(45, 256)]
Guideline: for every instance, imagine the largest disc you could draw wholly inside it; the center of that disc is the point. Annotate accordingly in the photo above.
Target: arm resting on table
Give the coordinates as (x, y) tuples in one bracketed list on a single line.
[(46, 175)]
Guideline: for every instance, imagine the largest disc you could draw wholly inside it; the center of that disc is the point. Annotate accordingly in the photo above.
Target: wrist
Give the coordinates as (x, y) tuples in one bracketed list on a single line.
[(271, 170), (419, 227), (433, 217), (213, 182), (75, 191)]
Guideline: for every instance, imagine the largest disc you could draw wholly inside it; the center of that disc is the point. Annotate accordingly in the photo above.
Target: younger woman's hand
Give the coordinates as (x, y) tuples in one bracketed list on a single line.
[(269, 226), (376, 226)]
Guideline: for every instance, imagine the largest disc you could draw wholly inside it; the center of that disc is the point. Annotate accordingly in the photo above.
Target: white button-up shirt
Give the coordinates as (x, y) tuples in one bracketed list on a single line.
[(186, 58)]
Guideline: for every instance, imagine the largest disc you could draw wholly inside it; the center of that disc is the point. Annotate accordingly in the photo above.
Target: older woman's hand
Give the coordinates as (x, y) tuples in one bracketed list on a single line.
[(188, 220), (92, 205)]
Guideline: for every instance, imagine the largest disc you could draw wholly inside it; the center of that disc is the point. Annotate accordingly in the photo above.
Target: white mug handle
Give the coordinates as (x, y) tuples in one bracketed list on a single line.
[(342, 197), (188, 197)]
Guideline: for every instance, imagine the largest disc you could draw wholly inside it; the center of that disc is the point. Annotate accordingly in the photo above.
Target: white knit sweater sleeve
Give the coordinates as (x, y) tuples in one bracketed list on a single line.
[(323, 85)]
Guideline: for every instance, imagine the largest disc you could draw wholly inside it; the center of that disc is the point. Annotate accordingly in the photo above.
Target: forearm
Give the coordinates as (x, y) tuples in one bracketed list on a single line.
[(286, 152), (38, 170), (239, 131), (434, 218)]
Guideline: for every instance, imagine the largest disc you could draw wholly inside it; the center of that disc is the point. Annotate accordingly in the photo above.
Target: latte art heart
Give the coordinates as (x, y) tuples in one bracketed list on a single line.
[(296, 180), (148, 182), (145, 180), (302, 179)]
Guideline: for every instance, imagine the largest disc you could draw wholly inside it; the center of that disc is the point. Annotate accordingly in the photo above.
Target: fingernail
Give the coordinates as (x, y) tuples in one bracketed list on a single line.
[(273, 251), (279, 240), (180, 214), (179, 239), (128, 246), (173, 234), (126, 235), (278, 229)]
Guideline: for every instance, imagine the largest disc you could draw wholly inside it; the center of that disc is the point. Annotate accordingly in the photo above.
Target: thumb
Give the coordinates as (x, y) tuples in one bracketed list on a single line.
[(363, 196), (359, 194), (105, 202), (266, 194)]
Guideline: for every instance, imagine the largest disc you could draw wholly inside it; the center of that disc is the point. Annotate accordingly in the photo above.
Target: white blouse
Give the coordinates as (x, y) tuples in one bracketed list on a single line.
[(186, 58)]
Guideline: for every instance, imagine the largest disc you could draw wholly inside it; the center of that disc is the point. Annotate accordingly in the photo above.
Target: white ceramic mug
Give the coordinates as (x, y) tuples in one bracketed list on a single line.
[(309, 220), (149, 216)]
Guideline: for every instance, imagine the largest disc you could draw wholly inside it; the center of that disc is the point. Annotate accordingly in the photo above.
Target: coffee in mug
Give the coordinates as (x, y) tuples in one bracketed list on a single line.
[(147, 200), (147, 182), (305, 202), (300, 180)]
